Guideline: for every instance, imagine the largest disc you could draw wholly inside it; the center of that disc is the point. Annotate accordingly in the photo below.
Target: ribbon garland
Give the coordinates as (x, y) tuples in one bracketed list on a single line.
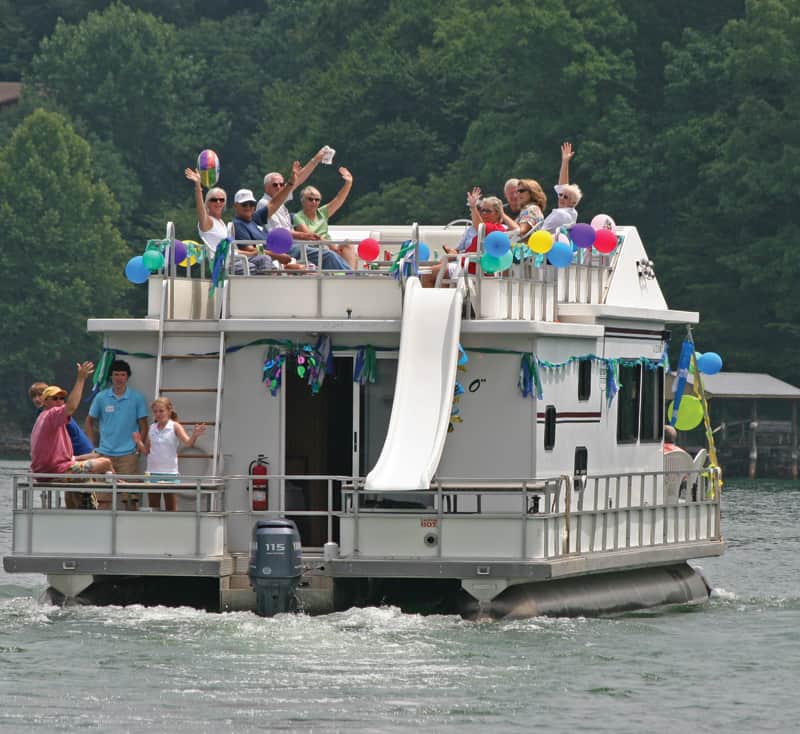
[(405, 258), (218, 269), (366, 366), (317, 362), (458, 390)]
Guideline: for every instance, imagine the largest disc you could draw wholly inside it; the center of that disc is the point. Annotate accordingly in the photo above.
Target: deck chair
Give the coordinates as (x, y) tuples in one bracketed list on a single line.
[(699, 462), (680, 466)]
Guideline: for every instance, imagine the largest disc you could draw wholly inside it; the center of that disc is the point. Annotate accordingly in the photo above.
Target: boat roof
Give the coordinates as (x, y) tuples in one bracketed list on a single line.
[(748, 385)]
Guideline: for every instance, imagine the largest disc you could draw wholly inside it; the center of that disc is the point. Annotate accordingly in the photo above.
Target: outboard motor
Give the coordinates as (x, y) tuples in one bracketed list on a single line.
[(276, 564)]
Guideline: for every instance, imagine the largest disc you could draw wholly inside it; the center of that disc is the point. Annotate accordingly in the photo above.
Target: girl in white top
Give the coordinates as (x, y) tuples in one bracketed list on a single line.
[(161, 447)]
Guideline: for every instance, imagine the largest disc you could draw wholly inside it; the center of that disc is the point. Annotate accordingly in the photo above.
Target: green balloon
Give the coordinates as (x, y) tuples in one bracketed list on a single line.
[(690, 413), (491, 264), (153, 259)]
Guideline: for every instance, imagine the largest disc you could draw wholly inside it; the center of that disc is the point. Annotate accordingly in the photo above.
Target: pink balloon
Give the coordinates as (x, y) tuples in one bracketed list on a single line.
[(603, 221), (605, 241), (369, 249)]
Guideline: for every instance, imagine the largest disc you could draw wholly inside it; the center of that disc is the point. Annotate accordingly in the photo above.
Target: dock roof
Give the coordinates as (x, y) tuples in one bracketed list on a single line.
[(748, 385)]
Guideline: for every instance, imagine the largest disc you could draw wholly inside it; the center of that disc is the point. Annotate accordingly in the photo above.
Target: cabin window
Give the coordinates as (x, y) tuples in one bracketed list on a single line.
[(640, 404), (652, 404), (628, 404), (584, 379), (549, 427), (581, 465)]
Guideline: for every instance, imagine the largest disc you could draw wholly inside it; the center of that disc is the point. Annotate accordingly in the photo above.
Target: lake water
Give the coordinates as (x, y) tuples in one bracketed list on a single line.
[(732, 666)]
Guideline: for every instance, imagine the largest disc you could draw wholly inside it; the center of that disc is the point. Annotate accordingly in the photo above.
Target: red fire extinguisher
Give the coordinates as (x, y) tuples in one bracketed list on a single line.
[(259, 468)]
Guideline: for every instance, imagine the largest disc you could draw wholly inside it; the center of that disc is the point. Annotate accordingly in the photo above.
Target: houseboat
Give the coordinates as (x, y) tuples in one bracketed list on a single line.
[(491, 446)]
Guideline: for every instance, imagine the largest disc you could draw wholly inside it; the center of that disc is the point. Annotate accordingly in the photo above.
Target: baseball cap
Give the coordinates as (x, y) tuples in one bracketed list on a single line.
[(243, 195), (54, 391)]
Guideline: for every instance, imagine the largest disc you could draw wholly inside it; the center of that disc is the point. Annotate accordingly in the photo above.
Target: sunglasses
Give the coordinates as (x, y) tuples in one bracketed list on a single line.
[(216, 199), (486, 211), (248, 204), (278, 183), (58, 397), (312, 198), (563, 195), (523, 191)]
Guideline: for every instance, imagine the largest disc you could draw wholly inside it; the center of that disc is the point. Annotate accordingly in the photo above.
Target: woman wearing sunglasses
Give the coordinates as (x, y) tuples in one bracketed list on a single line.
[(568, 195), (210, 226), (532, 201), (313, 219)]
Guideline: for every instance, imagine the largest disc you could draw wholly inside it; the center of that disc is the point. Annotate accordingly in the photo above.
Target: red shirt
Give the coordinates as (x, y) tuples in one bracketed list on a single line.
[(51, 448)]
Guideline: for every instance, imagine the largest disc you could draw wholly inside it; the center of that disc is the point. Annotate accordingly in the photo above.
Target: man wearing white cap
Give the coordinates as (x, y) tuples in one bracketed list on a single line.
[(51, 448), (244, 204)]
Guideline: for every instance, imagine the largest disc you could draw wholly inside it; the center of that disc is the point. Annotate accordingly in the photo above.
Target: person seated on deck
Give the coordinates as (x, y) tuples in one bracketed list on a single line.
[(568, 196), (81, 445), (489, 211), (51, 448), (510, 191), (210, 227), (313, 219), (532, 202), (244, 204), (274, 183)]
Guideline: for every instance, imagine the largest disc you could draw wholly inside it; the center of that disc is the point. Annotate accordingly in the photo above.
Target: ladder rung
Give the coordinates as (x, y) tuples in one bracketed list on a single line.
[(189, 356), (194, 423), (188, 389), (195, 456)]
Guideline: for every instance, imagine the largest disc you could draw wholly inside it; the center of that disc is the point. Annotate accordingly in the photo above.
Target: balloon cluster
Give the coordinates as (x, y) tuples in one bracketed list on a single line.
[(139, 268), (600, 234), (690, 413), (497, 255)]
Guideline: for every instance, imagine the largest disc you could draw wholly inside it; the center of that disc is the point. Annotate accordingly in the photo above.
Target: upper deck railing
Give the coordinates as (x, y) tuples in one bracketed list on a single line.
[(530, 289)]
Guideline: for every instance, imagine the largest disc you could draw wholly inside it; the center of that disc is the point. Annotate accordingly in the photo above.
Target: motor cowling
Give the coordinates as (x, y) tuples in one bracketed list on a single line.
[(276, 564), (259, 469)]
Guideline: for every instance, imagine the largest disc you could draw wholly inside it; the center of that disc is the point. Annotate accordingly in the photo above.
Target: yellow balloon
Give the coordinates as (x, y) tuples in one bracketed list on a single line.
[(690, 413), (541, 241)]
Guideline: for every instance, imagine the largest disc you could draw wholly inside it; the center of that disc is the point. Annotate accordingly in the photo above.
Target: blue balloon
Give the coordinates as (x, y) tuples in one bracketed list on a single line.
[(136, 271), (709, 363), (496, 244), (560, 255), (424, 252)]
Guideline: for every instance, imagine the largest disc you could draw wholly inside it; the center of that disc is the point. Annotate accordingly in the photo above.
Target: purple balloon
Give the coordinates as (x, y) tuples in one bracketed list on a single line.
[(279, 240), (582, 235), (180, 252)]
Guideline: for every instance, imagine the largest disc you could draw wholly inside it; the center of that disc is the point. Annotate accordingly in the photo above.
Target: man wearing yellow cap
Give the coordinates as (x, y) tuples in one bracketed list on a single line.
[(51, 448)]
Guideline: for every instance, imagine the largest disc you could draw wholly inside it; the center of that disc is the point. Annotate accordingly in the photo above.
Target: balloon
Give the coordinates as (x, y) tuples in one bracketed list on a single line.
[(603, 221), (496, 244), (369, 249), (424, 252), (582, 235), (279, 240), (492, 264), (192, 248), (180, 251), (709, 363), (560, 255), (153, 259), (605, 241), (136, 271), (541, 241), (690, 413), (208, 165)]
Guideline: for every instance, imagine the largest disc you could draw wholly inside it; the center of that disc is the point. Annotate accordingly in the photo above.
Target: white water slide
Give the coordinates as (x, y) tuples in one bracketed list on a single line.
[(423, 393)]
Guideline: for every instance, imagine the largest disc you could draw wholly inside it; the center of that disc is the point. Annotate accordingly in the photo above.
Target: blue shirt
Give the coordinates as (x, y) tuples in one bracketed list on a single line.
[(117, 417), (80, 441)]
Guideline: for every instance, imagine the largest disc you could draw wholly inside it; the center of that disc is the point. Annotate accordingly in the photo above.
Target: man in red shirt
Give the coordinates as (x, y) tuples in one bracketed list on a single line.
[(51, 447)]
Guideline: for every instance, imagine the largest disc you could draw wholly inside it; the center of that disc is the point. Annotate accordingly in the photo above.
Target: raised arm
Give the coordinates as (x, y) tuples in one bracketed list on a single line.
[(303, 173), (473, 199), (203, 219), (74, 398), (335, 204), (186, 439), (566, 154)]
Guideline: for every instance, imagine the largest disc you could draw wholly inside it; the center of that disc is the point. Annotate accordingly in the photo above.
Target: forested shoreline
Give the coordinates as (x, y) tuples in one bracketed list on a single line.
[(682, 114)]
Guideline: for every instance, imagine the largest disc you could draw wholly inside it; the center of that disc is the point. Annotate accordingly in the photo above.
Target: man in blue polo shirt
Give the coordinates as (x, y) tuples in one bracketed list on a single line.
[(117, 412)]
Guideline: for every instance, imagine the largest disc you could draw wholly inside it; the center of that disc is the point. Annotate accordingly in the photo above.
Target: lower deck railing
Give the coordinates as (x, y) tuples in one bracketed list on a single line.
[(527, 519)]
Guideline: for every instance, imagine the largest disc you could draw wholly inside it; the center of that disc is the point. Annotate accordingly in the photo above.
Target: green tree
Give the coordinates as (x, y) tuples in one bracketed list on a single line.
[(63, 255), (120, 73)]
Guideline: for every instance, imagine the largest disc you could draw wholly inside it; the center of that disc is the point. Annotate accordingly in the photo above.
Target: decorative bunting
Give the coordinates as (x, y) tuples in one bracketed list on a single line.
[(217, 268), (366, 366)]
